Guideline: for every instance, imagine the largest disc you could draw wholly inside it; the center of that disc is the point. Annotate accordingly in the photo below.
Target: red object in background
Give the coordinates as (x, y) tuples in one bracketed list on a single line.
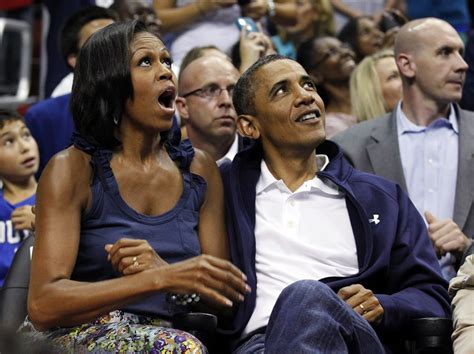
[(22, 109), (14, 4)]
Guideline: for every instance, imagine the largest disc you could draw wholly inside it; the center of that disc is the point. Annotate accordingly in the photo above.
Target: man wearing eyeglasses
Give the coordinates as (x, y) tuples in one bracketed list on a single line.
[(205, 105)]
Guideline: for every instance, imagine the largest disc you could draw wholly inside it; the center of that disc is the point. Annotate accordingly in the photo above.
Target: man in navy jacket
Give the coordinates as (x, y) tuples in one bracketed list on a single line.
[(388, 273)]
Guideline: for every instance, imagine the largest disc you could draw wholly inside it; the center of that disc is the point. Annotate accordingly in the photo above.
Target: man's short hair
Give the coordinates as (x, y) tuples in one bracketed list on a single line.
[(69, 35), (244, 91), (194, 54), (9, 115)]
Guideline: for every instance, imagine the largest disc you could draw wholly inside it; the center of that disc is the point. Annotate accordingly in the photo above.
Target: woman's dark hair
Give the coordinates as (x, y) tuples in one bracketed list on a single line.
[(235, 54), (102, 82), (305, 57), (350, 32)]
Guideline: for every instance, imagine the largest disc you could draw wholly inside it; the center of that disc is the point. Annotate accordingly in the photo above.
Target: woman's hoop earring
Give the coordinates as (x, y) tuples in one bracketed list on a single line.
[(116, 120)]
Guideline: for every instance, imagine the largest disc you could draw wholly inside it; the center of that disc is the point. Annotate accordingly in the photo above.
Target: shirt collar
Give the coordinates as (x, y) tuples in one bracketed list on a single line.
[(267, 180), (406, 126), (233, 150)]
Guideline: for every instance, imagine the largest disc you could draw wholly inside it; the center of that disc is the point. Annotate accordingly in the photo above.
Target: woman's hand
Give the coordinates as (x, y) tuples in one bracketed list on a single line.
[(23, 218), (217, 281), (130, 256), (362, 301)]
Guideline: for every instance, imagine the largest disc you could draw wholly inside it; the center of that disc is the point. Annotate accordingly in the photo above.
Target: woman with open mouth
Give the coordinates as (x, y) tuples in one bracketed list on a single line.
[(129, 227)]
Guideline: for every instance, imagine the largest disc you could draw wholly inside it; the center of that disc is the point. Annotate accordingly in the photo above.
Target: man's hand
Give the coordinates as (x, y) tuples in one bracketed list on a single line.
[(23, 218), (446, 236), (362, 301)]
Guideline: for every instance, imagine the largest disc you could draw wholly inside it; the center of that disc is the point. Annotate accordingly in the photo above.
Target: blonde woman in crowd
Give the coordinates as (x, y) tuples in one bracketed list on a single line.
[(375, 86)]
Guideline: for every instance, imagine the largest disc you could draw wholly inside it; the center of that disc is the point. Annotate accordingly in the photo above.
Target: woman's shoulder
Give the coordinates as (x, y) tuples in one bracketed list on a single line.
[(70, 165), (203, 165)]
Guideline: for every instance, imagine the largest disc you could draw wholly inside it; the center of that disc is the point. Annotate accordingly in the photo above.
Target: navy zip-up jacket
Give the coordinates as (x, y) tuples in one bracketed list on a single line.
[(395, 256)]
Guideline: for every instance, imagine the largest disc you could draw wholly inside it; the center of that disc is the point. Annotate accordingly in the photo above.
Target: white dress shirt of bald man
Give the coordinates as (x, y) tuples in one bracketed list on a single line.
[(205, 105), (427, 143)]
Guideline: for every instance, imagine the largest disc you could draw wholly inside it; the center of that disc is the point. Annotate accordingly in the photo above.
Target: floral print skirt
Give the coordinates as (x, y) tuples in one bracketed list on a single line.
[(118, 332)]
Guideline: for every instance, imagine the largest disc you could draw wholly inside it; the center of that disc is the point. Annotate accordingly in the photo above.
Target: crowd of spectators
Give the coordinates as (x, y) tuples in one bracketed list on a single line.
[(175, 154)]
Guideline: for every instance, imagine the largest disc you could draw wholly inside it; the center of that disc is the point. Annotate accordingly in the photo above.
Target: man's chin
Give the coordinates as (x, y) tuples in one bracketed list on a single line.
[(223, 133), (321, 138)]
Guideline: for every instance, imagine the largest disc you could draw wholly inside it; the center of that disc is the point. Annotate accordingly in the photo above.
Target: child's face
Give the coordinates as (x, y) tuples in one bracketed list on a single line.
[(19, 157)]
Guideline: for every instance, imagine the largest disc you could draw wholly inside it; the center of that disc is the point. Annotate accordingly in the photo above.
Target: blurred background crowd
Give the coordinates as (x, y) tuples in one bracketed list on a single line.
[(29, 30)]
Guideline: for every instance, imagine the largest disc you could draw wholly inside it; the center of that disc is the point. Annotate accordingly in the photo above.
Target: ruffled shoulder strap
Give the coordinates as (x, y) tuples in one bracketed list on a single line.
[(183, 153), (83, 144), (100, 158)]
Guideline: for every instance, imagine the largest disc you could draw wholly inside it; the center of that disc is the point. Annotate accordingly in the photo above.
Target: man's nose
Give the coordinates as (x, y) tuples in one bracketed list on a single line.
[(304, 97), (224, 97), (462, 65)]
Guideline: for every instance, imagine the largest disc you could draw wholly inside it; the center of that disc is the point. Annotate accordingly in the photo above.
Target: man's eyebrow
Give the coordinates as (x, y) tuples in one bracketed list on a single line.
[(5, 134), (306, 78)]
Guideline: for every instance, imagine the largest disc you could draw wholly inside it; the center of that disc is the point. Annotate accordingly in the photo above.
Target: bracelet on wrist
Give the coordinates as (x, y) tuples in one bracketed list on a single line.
[(183, 299)]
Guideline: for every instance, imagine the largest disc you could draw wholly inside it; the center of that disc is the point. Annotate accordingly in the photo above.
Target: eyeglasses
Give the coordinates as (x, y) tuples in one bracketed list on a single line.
[(211, 91)]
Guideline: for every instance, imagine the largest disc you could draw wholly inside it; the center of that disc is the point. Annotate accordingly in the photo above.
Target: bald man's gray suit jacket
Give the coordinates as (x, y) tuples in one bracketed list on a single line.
[(372, 146)]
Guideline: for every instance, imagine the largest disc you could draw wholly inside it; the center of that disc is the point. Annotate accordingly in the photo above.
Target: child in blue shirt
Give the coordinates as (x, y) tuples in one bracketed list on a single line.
[(19, 160)]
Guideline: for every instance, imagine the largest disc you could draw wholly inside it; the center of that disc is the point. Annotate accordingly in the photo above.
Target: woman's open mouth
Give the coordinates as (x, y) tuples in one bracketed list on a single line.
[(167, 98)]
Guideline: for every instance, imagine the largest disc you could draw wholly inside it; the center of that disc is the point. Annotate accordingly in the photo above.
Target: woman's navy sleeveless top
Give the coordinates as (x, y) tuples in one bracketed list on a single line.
[(173, 235)]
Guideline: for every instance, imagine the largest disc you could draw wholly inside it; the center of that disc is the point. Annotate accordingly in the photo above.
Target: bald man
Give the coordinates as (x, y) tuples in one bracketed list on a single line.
[(427, 143), (205, 105)]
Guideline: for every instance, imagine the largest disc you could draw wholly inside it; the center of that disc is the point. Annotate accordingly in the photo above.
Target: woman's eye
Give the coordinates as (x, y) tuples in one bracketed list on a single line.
[(145, 62), (168, 62), (393, 77), (8, 142)]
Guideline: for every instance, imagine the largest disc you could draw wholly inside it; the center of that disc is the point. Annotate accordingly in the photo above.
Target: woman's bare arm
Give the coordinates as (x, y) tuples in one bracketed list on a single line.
[(56, 300), (212, 231)]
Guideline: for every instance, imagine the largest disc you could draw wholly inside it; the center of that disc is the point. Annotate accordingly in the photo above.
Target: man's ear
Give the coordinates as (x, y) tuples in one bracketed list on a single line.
[(182, 108), (71, 60), (248, 126), (406, 65)]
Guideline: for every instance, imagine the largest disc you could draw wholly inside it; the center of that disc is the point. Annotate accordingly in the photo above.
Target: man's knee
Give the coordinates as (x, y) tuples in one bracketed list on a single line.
[(301, 289)]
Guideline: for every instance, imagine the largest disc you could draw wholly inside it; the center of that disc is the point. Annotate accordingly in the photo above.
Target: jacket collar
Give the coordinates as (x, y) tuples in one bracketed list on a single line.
[(337, 170), (245, 172)]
